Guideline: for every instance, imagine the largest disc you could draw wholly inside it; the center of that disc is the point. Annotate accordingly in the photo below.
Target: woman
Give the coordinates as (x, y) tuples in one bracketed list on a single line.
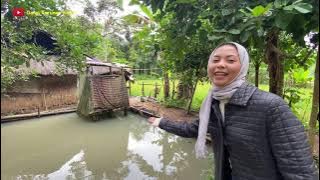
[(255, 134)]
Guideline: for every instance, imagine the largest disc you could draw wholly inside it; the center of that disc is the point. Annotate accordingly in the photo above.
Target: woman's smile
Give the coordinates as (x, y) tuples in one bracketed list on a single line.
[(224, 65)]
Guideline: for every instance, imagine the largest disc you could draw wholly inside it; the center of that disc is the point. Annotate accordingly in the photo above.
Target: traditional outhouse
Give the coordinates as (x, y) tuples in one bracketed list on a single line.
[(102, 88)]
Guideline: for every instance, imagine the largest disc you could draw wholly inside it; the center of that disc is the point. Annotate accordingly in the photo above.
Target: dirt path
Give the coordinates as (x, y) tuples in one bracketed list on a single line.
[(174, 114)]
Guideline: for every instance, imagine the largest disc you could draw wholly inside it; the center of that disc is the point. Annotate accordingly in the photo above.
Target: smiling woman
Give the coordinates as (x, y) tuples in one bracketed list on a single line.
[(224, 65), (254, 132)]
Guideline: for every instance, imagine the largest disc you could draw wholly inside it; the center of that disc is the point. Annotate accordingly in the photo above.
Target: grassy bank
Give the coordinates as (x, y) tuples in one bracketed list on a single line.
[(302, 109)]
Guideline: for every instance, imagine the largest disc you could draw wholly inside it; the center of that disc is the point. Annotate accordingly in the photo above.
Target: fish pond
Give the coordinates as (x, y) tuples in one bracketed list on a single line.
[(120, 147)]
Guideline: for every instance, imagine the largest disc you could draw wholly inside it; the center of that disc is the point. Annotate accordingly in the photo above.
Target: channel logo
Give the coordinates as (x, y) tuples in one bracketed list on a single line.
[(18, 12)]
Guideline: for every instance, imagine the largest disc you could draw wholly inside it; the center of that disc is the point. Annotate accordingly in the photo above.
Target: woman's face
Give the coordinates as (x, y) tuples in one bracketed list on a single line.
[(224, 65)]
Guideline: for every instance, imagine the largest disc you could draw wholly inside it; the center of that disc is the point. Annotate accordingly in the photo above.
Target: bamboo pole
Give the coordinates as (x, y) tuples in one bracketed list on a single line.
[(44, 99)]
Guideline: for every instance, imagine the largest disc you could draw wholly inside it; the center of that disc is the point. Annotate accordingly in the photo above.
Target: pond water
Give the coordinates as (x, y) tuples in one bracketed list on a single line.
[(122, 147)]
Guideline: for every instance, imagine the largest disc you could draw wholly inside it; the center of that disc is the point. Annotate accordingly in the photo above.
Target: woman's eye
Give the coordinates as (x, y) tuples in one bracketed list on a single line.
[(215, 60), (231, 60)]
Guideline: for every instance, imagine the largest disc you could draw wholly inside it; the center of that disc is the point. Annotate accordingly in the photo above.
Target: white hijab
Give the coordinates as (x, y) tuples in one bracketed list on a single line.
[(219, 93)]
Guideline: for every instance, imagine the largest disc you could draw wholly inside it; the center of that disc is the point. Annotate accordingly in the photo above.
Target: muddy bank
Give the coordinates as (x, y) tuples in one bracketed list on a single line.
[(175, 114)]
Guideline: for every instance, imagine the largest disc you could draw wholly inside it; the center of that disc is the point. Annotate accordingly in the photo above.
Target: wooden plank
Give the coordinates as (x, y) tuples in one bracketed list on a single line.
[(143, 112), (36, 114), (102, 64)]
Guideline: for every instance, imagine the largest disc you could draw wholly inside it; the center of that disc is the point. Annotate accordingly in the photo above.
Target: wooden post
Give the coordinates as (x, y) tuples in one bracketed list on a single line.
[(38, 111), (129, 87), (155, 90), (142, 92), (44, 99), (173, 89), (142, 89), (193, 91), (125, 111)]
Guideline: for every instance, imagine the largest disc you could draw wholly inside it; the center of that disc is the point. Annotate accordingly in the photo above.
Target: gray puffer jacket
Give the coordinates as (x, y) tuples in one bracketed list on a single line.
[(261, 139)]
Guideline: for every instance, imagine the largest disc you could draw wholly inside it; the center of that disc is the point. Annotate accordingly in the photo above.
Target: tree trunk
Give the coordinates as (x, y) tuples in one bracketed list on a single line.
[(184, 90), (257, 68), (315, 105), (166, 85), (281, 79), (195, 86), (275, 64), (193, 91)]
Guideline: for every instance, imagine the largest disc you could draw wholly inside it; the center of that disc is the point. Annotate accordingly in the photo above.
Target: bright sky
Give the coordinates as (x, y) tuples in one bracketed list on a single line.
[(77, 6)]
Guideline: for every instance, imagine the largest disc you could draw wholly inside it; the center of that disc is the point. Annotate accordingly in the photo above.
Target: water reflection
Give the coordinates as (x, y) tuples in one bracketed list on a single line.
[(66, 147), (75, 168), (150, 152)]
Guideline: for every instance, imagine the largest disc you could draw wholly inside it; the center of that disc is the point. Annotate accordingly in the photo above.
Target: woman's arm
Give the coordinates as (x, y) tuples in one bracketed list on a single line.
[(184, 129), (289, 143)]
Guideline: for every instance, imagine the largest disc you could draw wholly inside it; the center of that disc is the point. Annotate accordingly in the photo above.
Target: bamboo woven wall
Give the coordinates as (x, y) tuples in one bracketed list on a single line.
[(46, 92), (101, 93), (109, 92)]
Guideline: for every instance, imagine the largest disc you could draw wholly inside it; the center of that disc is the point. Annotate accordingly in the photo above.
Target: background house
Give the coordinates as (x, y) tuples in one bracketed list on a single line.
[(48, 91)]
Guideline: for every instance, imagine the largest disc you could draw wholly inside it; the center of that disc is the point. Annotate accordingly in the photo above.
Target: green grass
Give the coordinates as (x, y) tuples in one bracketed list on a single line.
[(302, 109)]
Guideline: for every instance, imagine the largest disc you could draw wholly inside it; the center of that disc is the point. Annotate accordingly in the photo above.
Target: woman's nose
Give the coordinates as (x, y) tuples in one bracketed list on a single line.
[(221, 64)]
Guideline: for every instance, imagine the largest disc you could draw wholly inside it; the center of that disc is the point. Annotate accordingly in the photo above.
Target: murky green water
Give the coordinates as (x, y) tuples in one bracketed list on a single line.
[(68, 147)]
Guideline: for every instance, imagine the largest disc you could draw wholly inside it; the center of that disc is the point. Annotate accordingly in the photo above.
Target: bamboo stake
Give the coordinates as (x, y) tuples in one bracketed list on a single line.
[(44, 99)]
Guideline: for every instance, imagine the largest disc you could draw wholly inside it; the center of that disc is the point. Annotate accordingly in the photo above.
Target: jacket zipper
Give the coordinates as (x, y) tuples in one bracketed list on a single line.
[(220, 134)]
